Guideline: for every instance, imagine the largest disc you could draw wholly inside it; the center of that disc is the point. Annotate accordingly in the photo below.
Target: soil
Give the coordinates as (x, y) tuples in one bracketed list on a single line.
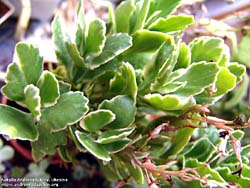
[(3, 9)]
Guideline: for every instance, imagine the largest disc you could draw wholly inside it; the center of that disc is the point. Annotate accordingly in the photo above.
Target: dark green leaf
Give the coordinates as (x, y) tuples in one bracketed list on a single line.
[(94, 148), (15, 83), (96, 120), (49, 89), (114, 46), (69, 109), (29, 61), (17, 124), (47, 142), (118, 105), (95, 39)]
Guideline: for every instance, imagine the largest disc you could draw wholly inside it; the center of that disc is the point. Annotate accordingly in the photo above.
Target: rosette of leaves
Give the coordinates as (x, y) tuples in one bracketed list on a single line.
[(124, 90)]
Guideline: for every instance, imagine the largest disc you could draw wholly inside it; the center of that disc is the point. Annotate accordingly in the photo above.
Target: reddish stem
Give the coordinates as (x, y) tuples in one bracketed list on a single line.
[(23, 151), (4, 100)]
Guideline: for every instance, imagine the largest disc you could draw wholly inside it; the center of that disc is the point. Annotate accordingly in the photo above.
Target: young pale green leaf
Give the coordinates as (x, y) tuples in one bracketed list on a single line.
[(114, 46), (114, 135), (94, 148), (161, 9), (49, 89), (147, 41), (123, 14), (225, 82), (17, 124), (60, 38), (118, 105), (178, 142), (15, 83), (74, 54), (47, 142), (172, 24), (204, 145), (115, 147), (198, 76), (169, 102), (96, 120), (207, 49), (68, 110), (244, 49), (142, 16), (184, 57), (238, 70), (95, 38), (171, 87), (33, 100), (81, 27), (29, 61), (124, 81)]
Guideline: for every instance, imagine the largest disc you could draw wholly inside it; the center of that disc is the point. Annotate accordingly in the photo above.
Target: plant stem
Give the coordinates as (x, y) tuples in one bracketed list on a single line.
[(20, 149)]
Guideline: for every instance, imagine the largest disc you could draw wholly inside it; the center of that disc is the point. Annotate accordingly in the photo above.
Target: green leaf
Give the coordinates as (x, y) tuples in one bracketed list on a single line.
[(60, 38), (136, 173), (180, 139), (171, 87), (159, 62), (123, 14), (124, 81), (142, 39), (96, 120), (238, 70), (169, 102), (94, 148), (64, 87), (49, 89), (47, 142), (225, 82), (17, 124), (225, 172), (114, 135), (142, 15), (243, 52), (15, 83), (33, 100), (172, 24), (118, 105), (204, 145), (198, 76), (161, 9), (184, 57), (115, 147), (68, 110), (206, 49), (238, 94), (81, 25), (95, 39), (204, 170), (74, 54), (29, 61), (114, 46)]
